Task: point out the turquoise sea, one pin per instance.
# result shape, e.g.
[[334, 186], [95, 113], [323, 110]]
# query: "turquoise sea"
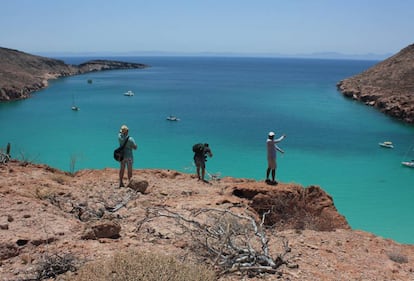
[[231, 103]]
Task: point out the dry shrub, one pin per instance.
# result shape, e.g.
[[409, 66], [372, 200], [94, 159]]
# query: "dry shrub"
[[397, 257], [60, 179], [228, 241], [45, 193], [53, 265], [142, 266]]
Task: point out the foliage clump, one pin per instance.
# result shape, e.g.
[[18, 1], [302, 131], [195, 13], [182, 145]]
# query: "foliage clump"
[[142, 266]]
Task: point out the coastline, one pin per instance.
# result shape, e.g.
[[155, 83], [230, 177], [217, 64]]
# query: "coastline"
[[21, 74], [350, 177], [387, 86]]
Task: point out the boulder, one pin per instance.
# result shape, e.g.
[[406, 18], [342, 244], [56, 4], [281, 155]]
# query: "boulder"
[[8, 250], [138, 185], [102, 229]]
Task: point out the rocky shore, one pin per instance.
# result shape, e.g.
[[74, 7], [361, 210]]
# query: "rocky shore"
[[387, 86], [48, 212], [21, 74]]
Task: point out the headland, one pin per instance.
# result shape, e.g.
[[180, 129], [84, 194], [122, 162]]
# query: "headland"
[[21, 74], [387, 86]]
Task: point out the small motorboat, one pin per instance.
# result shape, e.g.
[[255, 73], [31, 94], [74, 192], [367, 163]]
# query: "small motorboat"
[[173, 118], [408, 163], [75, 108], [129, 94], [386, 144]]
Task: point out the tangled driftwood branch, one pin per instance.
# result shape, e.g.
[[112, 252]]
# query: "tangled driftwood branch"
[[232, 242]]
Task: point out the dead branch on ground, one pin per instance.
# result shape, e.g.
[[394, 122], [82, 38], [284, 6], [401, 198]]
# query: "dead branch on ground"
[[232, 242]]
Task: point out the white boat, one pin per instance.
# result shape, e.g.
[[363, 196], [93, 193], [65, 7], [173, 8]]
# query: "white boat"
[[129, 94], [74, 107], [386, 144], [173, 118], [408, 163]]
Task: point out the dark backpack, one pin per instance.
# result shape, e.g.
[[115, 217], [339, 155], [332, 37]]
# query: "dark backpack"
[[198, 148], [119, 152]]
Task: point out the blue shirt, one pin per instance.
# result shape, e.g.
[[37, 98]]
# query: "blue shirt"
[[130, 145]]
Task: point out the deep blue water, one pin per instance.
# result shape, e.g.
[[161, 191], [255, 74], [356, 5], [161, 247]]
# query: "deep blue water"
[[231, 103]]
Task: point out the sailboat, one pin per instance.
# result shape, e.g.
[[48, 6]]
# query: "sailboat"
[[409, 164], [74, 107]]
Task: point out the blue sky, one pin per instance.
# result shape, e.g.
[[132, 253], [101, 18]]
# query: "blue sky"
[[218, 26]]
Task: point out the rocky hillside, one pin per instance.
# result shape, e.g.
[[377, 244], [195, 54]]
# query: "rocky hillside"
[[22, 74], [388, 86], [47, 213]]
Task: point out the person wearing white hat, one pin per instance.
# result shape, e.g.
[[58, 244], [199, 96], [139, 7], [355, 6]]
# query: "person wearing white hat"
[[272, 147], [128, 159]]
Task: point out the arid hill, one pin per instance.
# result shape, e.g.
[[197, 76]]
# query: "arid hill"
[[49, 213], [388, 86], [22, 74]]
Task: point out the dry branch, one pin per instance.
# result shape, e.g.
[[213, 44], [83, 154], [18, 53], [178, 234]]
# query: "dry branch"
[[232, 242]]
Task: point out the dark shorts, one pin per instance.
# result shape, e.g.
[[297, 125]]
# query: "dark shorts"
[[199, 162]]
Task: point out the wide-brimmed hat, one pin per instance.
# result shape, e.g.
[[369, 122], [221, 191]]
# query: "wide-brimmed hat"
[[124, 128], [271, 134]]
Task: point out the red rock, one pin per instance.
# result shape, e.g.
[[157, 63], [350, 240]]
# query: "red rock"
[[55, 199], [388, 85]]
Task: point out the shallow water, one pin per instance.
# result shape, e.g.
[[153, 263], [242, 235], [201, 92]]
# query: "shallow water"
[[231, 103]]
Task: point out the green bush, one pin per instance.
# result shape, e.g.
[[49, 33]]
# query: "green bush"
[[141, 266]]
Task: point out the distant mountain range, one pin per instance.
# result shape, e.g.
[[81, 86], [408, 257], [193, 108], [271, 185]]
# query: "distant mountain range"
[[321, 55]]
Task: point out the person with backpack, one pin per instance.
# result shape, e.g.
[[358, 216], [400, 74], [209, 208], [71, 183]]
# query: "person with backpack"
[[128, 158], [201, 151], [271, 144]]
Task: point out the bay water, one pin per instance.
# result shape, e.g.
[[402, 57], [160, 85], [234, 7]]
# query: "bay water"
[[230, 103]]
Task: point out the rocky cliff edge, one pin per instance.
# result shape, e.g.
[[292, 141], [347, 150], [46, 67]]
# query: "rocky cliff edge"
[[47, 211]]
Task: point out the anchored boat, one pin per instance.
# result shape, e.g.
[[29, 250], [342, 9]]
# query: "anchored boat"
[[173, 118], [129, 93], [386, 144], [408, 163]]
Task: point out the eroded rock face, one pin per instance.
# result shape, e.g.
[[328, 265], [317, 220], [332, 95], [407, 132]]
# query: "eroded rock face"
[[22, 74], [388, 86], [293, 206]]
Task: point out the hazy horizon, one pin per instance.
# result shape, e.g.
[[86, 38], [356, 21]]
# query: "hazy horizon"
[[322, 55], [369, 28]]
